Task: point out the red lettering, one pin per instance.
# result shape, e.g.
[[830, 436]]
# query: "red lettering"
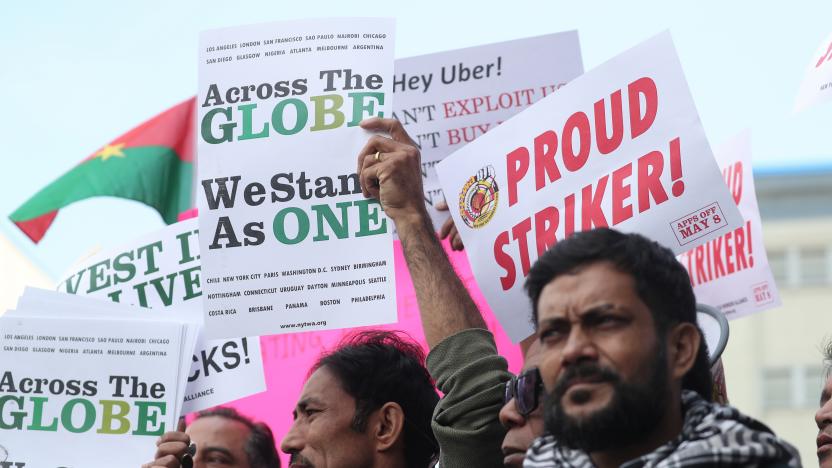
[[504, 260], [572, 161], [591, 213], [545, 225], [739, 248], [641, 122], [700, 265], [729, 253], [569, 207], [517, 164], [545, 148], [620, 193], [607, 144], [649, 180], [520, 233], [719, 266]]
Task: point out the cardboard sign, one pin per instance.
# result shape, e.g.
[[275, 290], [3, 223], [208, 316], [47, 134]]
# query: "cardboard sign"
[[448, 99], [731, 273], [289, 243], [161, 270], [817, 84], [84, 386], [621, 146]]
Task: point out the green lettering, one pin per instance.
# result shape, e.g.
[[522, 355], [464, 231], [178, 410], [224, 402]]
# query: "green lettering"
[[17, 416], [340, 229], [110, 415], [359, 106], [89, 415], [365, 216], [247, 117], [302, 116], [279, 222], [227, 128], [145, 418], [321, 111], [37, 416]]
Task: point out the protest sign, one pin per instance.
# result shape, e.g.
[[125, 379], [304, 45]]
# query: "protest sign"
[[448, 99], [731, 272], [163, 269], [817, 83], [87, 387], [621, 146], [288, 241]]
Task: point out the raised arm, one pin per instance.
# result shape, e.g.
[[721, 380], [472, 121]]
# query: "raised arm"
[[390, 170]]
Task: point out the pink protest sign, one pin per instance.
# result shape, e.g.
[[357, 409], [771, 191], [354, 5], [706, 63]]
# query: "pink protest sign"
[[287, 358]]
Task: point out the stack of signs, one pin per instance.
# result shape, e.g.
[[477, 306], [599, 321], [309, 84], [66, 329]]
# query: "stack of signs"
[[162, 270], [288, 241], [731, 272], [87, 382], [620, 146], [817, 83], [448, 99]]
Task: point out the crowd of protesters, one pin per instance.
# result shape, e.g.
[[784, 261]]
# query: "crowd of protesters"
[[617, 373]]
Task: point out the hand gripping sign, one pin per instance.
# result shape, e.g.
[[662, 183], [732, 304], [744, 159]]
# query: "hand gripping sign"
[[621, 146]]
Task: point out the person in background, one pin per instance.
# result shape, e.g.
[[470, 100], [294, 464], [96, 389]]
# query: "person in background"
[[625, 366], [217, 438], [823, 417], [367, 404]]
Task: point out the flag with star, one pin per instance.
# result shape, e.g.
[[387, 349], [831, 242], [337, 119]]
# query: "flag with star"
[[152, 163]]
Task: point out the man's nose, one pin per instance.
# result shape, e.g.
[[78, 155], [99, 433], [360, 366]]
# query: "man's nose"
[[510, 417]]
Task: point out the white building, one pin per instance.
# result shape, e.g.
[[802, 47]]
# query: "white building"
[[773, 361]]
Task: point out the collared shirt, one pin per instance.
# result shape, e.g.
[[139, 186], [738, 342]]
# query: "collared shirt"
[[712, 435]]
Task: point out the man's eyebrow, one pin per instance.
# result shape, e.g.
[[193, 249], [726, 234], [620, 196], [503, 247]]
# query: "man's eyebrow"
[[211, 449], [304, 402]]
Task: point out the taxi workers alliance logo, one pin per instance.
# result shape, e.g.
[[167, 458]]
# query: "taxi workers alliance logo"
[[478, 198]]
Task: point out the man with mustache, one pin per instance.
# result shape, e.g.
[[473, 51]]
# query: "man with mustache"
[[367, 404], [823, 417], [624, 364]]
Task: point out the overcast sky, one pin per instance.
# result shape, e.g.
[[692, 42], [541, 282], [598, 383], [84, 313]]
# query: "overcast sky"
[[75, 75]]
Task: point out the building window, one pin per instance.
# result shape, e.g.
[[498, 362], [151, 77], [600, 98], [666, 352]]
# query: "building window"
[[792, 387], [777, 388], [779, 266], [813, 266]]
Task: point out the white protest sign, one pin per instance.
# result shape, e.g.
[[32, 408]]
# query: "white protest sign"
[[620, 146], [817, 83], [447, 99], [289, 243], [731, 272], [163, 269], [86, 392]]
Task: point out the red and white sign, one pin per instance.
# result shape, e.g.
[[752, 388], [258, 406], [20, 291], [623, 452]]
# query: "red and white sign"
[[621, 146], [731, 272], [817, 84]]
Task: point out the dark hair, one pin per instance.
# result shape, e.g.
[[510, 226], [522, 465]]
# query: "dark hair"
[[260, 448], [661, 282], [376, 367]]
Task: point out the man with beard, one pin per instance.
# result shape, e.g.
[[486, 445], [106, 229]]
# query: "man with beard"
[[624, 364], [823, 417]]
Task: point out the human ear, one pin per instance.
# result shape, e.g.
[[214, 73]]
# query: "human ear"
[[683, 344], [388, 425]]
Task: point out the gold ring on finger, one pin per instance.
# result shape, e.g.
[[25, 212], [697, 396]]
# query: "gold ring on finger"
[[377, 156]]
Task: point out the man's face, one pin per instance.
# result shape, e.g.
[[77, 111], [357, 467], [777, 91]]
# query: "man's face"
[[220, 442], [521, 431], [322, 436], [823, 418], [603, 366]]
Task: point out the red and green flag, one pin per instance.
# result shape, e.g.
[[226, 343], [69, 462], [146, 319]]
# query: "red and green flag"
[[152, 163]]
